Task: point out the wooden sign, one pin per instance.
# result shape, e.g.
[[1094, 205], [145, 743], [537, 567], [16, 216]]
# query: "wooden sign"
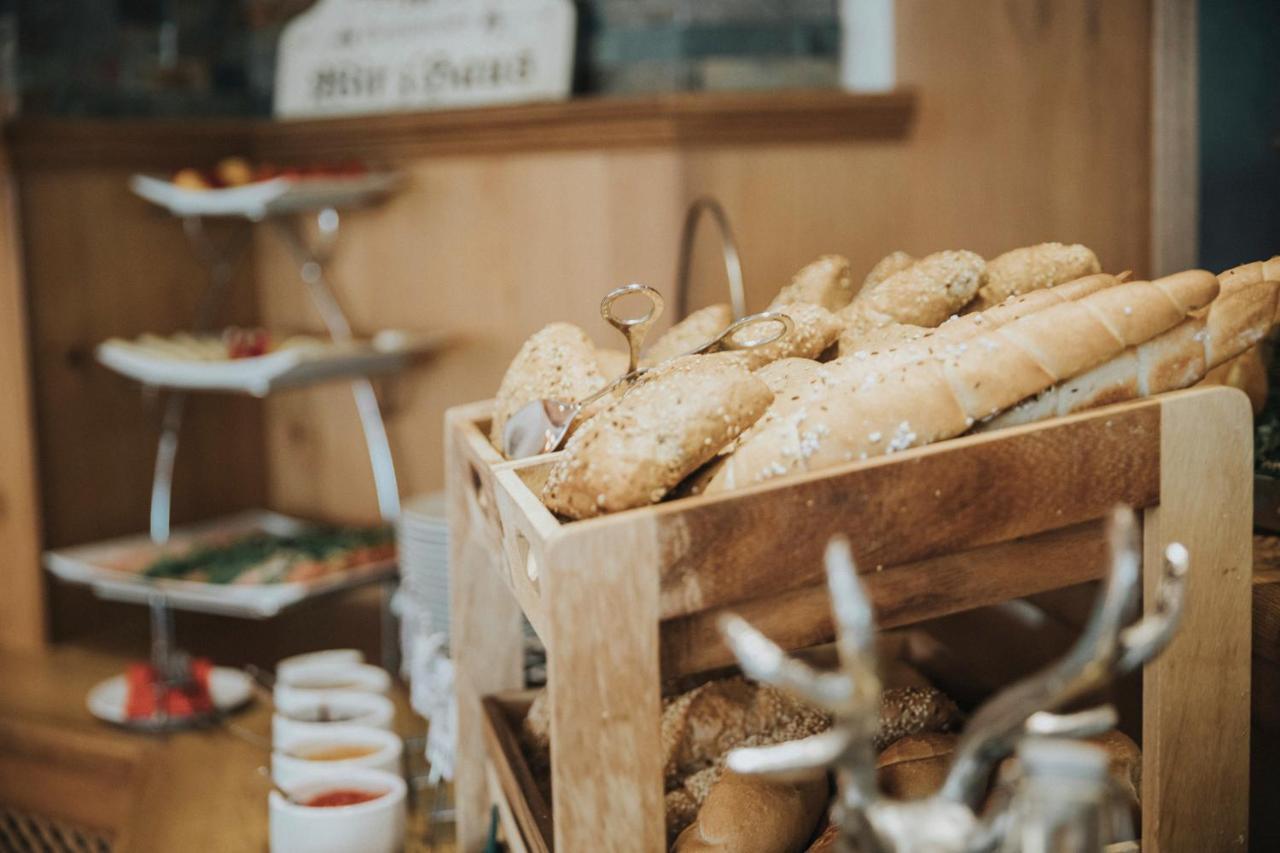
[[348, 57]]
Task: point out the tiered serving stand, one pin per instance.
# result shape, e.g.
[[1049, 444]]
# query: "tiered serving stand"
[[281, 204], [626, 601]]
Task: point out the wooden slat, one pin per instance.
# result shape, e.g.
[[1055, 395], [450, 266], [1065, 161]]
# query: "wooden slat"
[[486, 639], [973, 491], [1175, 136], [511, 830], [1195, 727], [902, 594], [517, 787], [688, 118], [601, 598]]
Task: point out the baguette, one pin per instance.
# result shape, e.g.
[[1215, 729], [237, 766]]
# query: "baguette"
[[924, 294], [1033, 268], [1241, 315], [944, 393], [894, 262], [688, 334], [557, 362], [750, 814], [644, 443], [826, 282]]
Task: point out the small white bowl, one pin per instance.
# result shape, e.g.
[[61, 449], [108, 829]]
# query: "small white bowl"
[[299, 715], [324, 678], [290, 764], [327, 657], [377, 826]]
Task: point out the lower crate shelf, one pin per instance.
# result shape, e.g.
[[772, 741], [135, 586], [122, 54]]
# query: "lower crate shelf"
[[524, 811]]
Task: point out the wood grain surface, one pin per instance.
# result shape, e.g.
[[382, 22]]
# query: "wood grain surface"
[[532, 814], [22, 606], [486, 641], [1196, 694]]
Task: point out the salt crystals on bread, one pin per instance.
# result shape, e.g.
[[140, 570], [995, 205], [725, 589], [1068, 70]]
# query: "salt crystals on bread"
[[827, 282]]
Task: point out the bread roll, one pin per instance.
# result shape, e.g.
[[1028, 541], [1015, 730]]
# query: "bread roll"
[[558, 362], [912, 710], [924, 294], [915, 766], [826, 282], [786, 378], [690, 333], [942, 395], [894, 262], [1241, 315], [814, 329], [640, 446], [701, 726], [1034, 268], [750, 814]]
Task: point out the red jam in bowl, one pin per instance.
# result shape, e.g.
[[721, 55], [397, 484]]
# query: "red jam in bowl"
[[342, 797]]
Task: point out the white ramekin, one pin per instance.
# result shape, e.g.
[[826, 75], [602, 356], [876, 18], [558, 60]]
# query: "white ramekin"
[[327, 657], [331, 678], [377, 826], [361, 709], [287, 768]]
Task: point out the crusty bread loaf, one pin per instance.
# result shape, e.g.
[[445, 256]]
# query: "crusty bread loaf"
[[787, 376], [690, 333], [558, 362], [913, 710], [1241, 315], [814, 329], [862, 339], [672, 421], [942, 395], [924, 294], [699, 727], [750, 814], [894, 262], [826, 282], [915, 766], [1034, 268]]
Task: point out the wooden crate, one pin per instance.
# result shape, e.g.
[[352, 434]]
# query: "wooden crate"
[[624, 601]]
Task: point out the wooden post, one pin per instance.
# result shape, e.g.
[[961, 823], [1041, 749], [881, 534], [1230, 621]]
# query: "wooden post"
[[486, 641], [22, 608], [601, 596], [1195, 703]]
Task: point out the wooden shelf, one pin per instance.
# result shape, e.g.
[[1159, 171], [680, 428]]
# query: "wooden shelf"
[[673, 120], [626, 601]]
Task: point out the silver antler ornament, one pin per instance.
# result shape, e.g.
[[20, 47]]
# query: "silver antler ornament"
[[948, 821]]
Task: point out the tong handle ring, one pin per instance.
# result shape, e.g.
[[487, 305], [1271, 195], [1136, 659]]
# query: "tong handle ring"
[[633, 328], [729, 339]]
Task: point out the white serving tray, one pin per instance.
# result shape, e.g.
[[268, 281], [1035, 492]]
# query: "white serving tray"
[[89, 565], [261, 375], [267, 198]]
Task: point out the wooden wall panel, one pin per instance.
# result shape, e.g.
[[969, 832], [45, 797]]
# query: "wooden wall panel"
[[489, 248]]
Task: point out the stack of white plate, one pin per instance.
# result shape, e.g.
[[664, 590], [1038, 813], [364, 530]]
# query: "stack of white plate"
[[423, 542]]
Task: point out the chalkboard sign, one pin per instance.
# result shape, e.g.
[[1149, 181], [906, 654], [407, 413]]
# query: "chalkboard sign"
[[349, 57]]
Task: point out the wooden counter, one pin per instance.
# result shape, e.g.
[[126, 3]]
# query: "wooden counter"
[[189, 791]]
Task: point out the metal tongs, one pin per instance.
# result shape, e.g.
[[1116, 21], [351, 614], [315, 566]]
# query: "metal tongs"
[[542, 425]]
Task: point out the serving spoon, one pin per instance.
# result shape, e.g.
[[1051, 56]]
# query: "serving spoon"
[[541, 426]]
